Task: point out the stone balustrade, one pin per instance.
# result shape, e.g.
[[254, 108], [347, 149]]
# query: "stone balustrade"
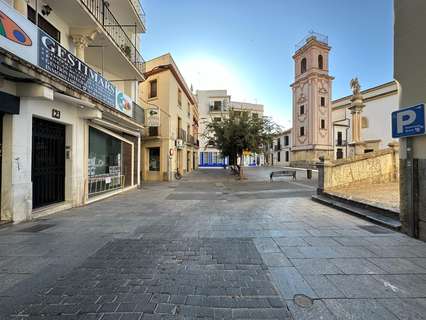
[[381, 166]]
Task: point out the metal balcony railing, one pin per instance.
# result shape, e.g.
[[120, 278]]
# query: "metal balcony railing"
[[277, 147], [182, 135], [341, 143], [136, 4], [215, 108], [100, 11], [192, 140]]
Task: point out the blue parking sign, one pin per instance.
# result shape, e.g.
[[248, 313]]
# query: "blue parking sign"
[[409, 122]]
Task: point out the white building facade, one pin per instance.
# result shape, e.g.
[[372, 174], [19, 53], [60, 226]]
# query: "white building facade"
[[70, 122], [282, 149], [376, 132], [215, 105]]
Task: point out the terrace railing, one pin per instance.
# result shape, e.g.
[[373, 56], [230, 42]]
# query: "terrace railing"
[[136, 4], [101, 12]]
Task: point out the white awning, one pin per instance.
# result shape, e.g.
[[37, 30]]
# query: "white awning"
[[72, 100]]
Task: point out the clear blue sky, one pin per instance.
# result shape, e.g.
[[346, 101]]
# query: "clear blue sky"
[[246, 46]]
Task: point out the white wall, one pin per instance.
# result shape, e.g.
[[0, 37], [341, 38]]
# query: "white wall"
[[18, 141], [378, 112], [204, 97], [379, 102], [282, 161]]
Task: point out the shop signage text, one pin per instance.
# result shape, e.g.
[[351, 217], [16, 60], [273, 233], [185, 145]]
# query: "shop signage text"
[[22, 38], [58, 61], [152, 117]]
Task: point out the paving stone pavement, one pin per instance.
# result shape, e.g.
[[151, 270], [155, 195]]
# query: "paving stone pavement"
[[210, 247]]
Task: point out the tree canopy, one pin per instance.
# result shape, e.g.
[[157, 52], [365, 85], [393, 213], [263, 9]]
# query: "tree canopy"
[[237, 132]]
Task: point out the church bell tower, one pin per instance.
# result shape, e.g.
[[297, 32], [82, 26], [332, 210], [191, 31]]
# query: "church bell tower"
[[312, 122]]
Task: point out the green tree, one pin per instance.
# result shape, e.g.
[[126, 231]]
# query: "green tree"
[[237, 132]]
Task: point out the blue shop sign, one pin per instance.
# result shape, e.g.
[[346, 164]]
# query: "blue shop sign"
[[58, 61]]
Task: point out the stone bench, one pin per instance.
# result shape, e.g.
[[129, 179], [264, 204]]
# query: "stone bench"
[[284, 173]]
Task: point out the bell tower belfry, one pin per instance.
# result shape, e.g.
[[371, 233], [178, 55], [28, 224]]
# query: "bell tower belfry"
[[312, 122]]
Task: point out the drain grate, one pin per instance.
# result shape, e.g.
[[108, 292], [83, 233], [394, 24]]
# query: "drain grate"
[[375, 229], [37, 228], [303, 301]]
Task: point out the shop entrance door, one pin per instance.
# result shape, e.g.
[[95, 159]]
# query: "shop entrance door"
[[48, 163], [193, 160]]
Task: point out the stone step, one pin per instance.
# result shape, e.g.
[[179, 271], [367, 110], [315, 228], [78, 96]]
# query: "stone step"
[[377, 215]]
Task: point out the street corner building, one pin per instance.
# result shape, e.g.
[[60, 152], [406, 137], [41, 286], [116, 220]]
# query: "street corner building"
[[278, 153], [70, 124], [216, 105], [170, 143]]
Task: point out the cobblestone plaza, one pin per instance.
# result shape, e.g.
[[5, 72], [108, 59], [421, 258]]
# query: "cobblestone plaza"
[[210, 247]]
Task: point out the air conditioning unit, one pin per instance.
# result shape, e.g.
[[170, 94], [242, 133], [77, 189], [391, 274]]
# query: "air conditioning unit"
[[179, 144]]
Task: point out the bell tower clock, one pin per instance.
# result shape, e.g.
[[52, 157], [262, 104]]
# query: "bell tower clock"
[[312, 122]]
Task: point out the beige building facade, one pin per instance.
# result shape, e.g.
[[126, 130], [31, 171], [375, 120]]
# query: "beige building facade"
[[312, 88], [69, 118], [173, 146]]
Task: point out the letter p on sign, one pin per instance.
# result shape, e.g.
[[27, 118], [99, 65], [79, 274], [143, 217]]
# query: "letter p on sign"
[[404, 119], [409, 122]]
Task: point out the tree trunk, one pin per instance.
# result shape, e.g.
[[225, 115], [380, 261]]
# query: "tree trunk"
[[240, 167], [242, 177]]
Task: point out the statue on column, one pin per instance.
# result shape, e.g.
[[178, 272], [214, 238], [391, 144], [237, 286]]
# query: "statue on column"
[[357, 104], [355, 86]]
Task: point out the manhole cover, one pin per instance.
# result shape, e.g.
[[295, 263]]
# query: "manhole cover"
[[37, 228], [303, 301], [375, 229]]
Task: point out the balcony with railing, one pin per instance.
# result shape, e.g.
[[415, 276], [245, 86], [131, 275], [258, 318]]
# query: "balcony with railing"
[[192, 140], [218, 106], [100, 11], [137, 6], [341, 143], [182, 135]]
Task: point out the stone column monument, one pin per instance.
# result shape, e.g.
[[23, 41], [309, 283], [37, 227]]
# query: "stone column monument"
[[357, 146]]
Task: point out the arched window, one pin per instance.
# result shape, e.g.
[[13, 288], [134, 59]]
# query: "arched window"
[[320, 62], [303, 65]]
